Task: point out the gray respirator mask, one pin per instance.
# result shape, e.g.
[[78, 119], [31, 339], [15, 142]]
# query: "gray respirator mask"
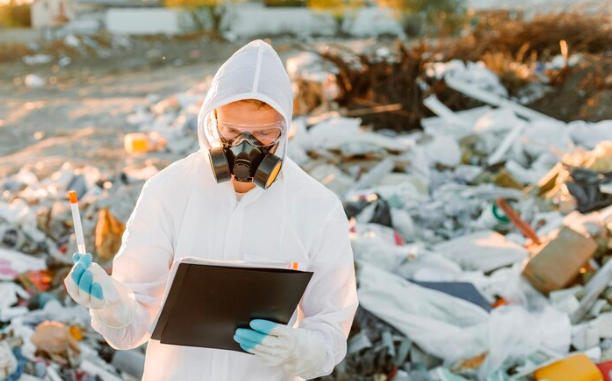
[[246, 153]]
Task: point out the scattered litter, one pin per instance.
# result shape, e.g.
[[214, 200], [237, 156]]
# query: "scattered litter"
[[557, 262], [439, 323], [138, 143], [574, 368], [54, 342], [49, 336], [34, 81], [461, 290], [13, 263], [37, 59], [468, 235]]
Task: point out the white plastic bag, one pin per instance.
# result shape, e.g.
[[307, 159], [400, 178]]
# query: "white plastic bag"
[[483, 250], [440, 324], [514, 333]]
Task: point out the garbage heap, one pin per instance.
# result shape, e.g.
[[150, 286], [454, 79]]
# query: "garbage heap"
[[44, 334], [481, 233]]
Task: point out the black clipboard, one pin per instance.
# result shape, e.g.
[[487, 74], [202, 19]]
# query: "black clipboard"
[[207, 303]]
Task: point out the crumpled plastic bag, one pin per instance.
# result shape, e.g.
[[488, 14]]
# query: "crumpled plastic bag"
[[9, 293], [427, 266], [440, 324], [109, 232], [53, 340], [589, 135], [378, 244], [546, 136], [585, 188], [373, 209], [514, 333], [484, 250], [443, 150], [336, 132], [13, 263], [453, 329], [475, 73]]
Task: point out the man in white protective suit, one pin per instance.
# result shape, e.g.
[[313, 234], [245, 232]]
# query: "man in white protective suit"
[[238, 198]]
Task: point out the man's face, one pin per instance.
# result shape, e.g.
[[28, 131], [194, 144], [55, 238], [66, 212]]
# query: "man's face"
[[246, 113]]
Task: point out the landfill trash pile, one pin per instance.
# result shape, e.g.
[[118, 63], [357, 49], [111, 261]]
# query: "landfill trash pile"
[[44, 334], [381, 86], [559, 65], [63, 51], [79, 59], [568, 53], [481, 241], [429, 220], [481, 229], [168, 125]]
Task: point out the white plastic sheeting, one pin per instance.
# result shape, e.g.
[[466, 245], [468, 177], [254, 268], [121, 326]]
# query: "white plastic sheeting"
[[453, 329]]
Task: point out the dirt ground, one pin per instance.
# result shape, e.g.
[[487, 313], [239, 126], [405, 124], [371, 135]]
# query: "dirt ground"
[[584, 94], [82, 116]]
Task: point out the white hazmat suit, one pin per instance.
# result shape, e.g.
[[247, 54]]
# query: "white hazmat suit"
[[183, 212]]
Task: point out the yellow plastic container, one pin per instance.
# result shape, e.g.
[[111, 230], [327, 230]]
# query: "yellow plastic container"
[[136, 143], [574, 368], [139, 142]]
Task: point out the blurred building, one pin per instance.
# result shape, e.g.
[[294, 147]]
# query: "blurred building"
[[530, 8], [82, 14]]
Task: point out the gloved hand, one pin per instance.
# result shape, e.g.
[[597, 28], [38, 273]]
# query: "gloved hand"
[[300, 352], [89, 285]]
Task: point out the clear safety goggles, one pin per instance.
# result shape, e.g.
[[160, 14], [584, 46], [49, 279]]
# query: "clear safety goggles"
[[264, 134]]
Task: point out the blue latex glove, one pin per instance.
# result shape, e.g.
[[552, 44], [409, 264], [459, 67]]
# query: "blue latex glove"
[[81, 285], [89, 285], [300, 352], [84, 277]]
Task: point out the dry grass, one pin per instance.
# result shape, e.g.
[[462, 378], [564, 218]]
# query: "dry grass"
[[10, 52], [366, 83], [538, 38], [513, 73]]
